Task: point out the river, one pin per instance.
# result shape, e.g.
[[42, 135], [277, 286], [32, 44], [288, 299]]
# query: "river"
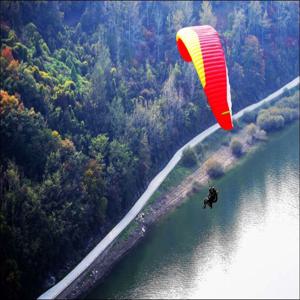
[[247, 246]]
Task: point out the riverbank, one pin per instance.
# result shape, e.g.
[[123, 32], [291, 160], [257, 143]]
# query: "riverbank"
[[72, 282], [152, 213], [155, 209], [188, 251]]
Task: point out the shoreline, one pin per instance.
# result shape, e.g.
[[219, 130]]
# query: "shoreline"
[[154, 212], [114, 246]]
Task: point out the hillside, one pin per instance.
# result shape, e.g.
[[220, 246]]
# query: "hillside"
[[95, 99]]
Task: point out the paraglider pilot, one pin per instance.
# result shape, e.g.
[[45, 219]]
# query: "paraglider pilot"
[[211, 198]]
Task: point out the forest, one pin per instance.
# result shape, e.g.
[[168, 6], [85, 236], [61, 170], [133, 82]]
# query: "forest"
[[95, 99]]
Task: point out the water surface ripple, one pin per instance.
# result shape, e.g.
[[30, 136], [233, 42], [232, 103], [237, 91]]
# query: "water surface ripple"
[[246, 247]]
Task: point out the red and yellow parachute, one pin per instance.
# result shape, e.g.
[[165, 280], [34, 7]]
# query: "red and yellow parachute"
[[201, 44]]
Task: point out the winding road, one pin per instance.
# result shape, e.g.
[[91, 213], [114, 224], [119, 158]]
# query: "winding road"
[[57, 289]]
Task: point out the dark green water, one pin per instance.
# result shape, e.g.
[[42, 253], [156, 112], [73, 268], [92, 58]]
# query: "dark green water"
[[246, 247]]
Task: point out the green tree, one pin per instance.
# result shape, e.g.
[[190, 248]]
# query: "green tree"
[[254, 16], [236, 147], [206, 15], [268, 122], [189, 158], [214, 168], [99, 147]]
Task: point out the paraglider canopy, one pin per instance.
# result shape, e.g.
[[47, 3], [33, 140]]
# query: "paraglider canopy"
[[202, 46]]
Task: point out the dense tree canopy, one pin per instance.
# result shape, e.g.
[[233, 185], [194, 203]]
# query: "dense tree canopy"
[[95, 99]]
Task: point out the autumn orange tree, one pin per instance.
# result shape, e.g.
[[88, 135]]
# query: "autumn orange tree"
[[95, 100]]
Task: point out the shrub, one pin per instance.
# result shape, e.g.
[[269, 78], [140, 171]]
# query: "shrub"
[[249, 116], [236, 147], [270, 122], [288, 107], [261, 135], [200, 150], [214, 168], [251, 129], [189, 158], [289, 114], [290, 102]]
